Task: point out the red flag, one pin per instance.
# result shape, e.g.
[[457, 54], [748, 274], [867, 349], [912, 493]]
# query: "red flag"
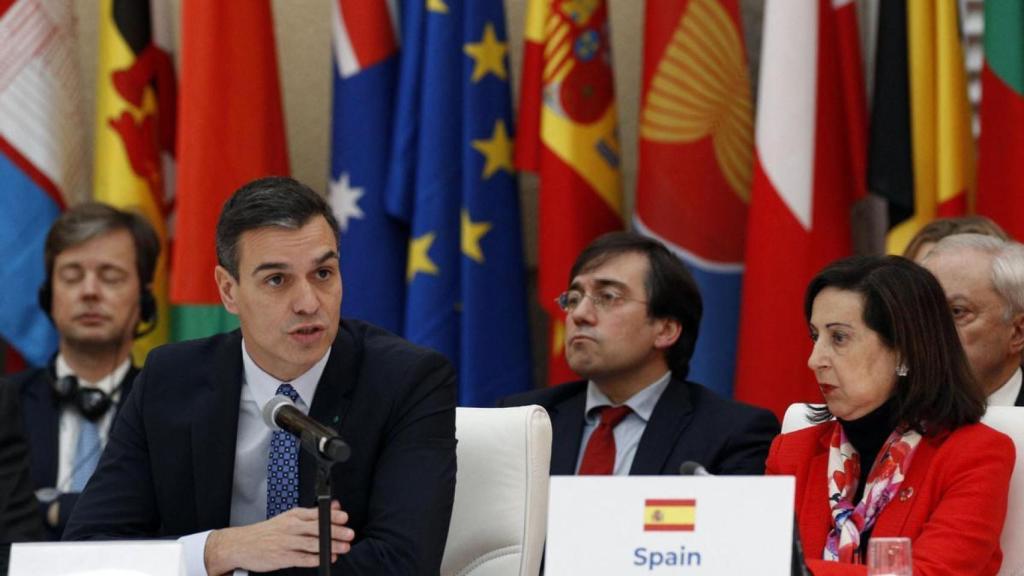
[[805, 181], [696, 154], [230, 131], [570, 139], [1001, 145]]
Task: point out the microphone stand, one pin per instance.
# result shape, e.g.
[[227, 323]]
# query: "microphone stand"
[[323, 499], [323, 504]]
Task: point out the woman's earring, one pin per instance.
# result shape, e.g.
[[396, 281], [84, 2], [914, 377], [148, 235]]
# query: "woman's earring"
[[902, 370]]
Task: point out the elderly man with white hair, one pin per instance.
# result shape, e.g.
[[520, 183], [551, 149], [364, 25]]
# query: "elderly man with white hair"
[[983, 278]]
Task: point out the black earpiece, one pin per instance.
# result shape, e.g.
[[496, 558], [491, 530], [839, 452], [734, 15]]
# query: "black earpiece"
[[91, 403], [46, 297]]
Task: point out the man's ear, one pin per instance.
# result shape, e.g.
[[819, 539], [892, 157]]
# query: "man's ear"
[[1017, 336], [227, 286], [669, 332]]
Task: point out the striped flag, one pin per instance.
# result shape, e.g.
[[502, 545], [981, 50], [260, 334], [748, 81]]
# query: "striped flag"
[[804, 185], [568, 135], [43, 163], [1001, 146], [135, 102], [696, 154], [230, 116], [925, 163], [675, 515], [373, 244]]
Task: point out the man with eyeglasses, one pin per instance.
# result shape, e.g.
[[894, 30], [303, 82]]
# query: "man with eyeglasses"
[[632, 317]]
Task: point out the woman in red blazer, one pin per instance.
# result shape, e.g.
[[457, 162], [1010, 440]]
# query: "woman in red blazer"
[[898, 450]]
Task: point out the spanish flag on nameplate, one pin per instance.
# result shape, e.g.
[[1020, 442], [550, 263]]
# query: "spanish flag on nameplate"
[[670, 515]]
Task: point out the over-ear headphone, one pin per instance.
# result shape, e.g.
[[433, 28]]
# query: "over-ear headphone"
[[91, 403], [147, 305]]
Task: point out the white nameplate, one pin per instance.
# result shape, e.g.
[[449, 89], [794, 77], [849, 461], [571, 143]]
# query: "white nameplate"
[[136, 558], [711, 525]]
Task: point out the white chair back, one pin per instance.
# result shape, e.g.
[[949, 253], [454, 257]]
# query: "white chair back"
[[1010, 421], [499, 521], [797, 417]]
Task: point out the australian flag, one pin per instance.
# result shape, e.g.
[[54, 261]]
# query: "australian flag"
[[373, 244], [452, 180]]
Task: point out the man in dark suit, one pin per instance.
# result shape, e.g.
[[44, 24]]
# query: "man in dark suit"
[[632, 314], [19, 520], [100, 262], [191, 457], [983, 278]]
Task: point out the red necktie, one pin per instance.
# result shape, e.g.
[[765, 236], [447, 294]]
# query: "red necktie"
[[599, 457]]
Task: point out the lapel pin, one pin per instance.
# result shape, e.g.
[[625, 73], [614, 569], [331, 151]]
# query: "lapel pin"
[[906, 494]]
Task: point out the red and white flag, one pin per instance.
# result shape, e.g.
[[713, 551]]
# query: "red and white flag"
[[806, 177]]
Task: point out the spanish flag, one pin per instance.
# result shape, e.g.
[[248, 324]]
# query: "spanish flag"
[[670, 515], [568, 135]]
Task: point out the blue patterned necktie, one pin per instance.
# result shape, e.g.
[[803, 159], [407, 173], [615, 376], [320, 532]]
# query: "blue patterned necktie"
[[87, 454], [283, 466]]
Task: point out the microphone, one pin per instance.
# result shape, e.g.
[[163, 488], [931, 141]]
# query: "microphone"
[[319, 440], [691, 468]]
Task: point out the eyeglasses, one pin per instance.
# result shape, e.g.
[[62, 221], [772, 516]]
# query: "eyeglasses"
[[603, 301]]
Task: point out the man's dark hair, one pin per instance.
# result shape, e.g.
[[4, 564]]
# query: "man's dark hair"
[[671, 290], [90, 220], [905, 305], [276, 201]]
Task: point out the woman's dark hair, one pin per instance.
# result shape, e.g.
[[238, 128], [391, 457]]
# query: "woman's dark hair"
[[671, 290], [276, 201], [905, 305]]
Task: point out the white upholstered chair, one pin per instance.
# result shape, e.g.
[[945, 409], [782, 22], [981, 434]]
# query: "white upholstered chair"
[[1010, 421], [499, 521]]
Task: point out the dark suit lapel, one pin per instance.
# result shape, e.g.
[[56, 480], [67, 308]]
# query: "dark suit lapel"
[[672, 414], [125, 389], [331, 401], [214, 433], [1020, 397], [567, 432], [41, 418]]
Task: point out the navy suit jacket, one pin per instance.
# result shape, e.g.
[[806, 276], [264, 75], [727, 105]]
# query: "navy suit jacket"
[[689, 423], [168, 468], [42, 423], [18, 518]]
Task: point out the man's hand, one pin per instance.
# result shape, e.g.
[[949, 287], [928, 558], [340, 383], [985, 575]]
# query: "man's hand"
[[285, 541]]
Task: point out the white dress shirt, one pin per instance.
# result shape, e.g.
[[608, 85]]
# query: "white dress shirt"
[[71, 419], [1006, 395], [252, 450], [627, 434]]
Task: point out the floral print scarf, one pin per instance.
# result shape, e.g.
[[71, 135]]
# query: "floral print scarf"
[[883, 481]]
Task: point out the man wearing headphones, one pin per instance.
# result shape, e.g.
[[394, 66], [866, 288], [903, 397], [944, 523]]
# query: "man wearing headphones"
[[100, 263]]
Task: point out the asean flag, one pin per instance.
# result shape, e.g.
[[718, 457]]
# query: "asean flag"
[[695, 154], [805, 181]]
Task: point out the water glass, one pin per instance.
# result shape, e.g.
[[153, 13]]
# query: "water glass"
[[889, 557]]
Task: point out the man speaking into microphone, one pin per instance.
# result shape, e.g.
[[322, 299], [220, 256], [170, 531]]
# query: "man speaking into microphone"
[[191, 456]]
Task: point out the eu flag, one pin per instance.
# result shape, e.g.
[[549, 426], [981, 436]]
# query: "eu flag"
[[365, 49], [452, 181]]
